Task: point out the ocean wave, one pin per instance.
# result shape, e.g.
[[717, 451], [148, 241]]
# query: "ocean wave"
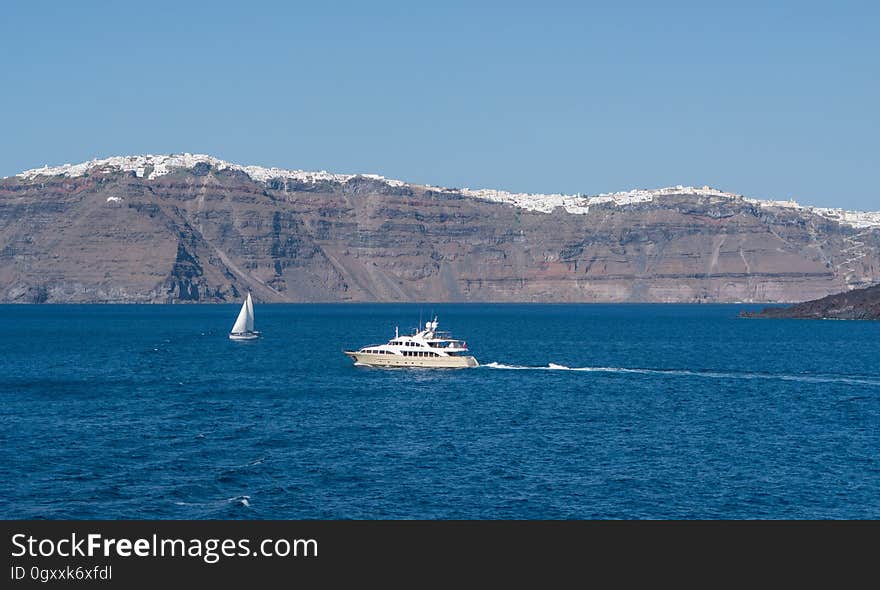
[[690, 373], [241, 500]]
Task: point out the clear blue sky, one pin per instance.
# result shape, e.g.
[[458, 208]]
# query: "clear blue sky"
[[767, 99]]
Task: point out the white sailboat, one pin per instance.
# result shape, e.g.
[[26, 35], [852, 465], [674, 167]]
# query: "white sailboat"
[[243, 329]]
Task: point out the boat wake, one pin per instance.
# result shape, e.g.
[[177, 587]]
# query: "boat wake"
[[241, 501], [687, 373]]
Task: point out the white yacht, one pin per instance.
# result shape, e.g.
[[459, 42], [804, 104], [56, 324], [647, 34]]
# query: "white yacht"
[[244, 323], [425, 348]]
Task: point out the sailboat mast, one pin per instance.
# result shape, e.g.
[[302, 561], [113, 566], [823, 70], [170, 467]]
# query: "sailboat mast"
[[250, 313]]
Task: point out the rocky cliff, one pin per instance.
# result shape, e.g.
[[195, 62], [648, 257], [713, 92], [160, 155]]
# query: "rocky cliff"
[[194, 228]]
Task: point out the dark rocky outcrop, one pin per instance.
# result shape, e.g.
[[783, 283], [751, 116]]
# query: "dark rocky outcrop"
[[859, 304]]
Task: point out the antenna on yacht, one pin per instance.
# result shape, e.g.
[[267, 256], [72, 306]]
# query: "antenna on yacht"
[[396, 333]]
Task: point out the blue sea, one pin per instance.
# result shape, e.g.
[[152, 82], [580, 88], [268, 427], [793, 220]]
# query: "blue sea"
[[576, 412]]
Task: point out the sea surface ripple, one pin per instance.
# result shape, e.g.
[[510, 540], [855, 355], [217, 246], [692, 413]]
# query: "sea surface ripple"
[[576, 412]]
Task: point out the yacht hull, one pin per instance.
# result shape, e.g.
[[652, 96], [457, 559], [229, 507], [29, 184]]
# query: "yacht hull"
[[393, 360]]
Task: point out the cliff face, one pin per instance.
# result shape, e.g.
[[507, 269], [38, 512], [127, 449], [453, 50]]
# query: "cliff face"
[[209, 233], [860, 304]]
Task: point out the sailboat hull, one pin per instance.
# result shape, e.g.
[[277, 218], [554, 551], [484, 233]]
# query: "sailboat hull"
[[244, 335]]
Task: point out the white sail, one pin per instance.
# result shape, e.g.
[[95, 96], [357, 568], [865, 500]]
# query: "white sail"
[[241, 322], [250, 313]]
